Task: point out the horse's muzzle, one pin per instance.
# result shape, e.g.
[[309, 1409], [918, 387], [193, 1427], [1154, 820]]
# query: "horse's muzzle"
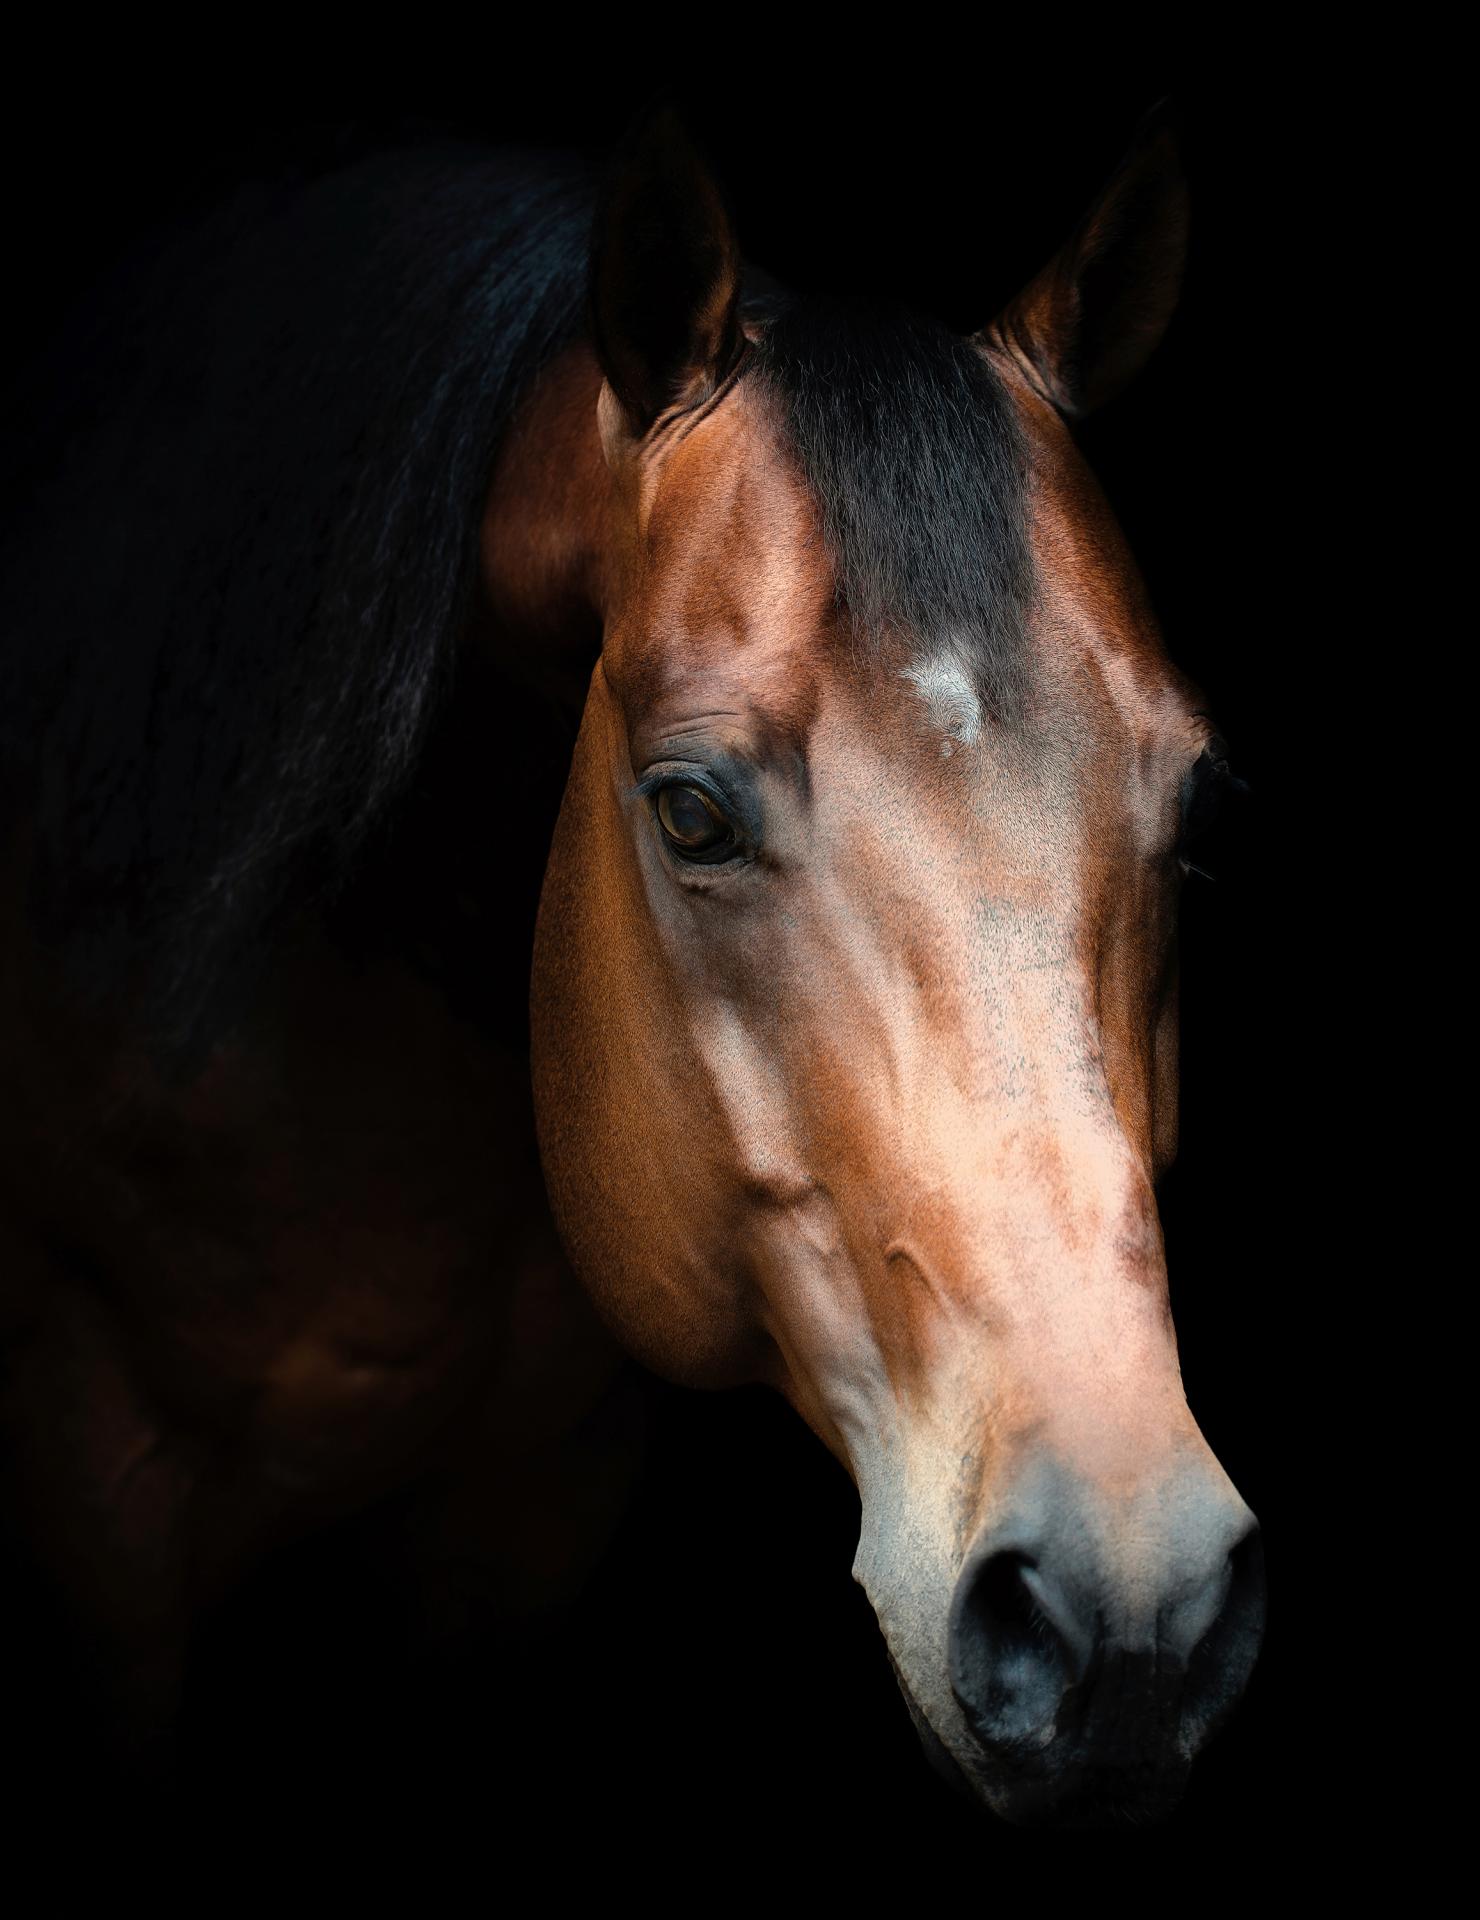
[[1088, 1668]]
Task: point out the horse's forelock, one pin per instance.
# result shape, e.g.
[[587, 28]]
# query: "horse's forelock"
[[909, 442]]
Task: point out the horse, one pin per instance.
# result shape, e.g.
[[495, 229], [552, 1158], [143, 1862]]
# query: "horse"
[[566, 804]]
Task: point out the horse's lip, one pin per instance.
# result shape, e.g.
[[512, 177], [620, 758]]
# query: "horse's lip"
[[1078, 1794], [941, 1759], [1095, 1796]]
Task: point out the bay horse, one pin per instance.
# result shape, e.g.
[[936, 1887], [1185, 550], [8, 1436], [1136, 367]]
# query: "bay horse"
[[567, 802]]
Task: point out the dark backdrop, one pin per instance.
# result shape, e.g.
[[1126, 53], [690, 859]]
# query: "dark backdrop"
[[722, 1690]]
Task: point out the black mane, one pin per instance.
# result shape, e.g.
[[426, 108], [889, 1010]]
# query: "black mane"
[[243, 507], [911, 447]]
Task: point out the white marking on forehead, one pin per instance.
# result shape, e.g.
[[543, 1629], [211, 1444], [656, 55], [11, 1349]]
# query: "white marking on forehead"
[[950, 699]]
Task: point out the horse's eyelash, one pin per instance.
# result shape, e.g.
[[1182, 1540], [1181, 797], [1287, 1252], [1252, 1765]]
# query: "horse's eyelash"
[[659, 777]]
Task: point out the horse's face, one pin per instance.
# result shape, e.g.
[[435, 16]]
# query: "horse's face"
[[855, 1064]]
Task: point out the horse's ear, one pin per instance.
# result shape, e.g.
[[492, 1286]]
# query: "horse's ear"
[[1090, 320], [665, 276]]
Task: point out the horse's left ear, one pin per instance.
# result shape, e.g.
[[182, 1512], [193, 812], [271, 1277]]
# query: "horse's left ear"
[[665, 276], [1090, 320]]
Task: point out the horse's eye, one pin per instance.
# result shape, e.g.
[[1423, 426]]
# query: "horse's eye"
[[694, 825]]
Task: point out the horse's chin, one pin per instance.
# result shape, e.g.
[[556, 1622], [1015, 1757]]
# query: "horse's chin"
[[1086, 1797]]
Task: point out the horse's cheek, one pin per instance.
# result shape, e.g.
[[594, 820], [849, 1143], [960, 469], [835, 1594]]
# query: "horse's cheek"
[[634, 1235], [569, 1064]]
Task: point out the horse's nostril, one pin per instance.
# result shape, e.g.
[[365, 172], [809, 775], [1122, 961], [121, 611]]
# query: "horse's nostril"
[[1015, 1651], [1219, 1665]]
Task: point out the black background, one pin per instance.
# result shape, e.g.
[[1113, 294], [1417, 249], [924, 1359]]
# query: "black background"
[[721, 1693]]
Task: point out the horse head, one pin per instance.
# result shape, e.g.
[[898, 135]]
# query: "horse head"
[[854, 992]]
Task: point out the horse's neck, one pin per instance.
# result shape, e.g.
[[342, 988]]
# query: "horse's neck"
[[454, 889], [544, 536]]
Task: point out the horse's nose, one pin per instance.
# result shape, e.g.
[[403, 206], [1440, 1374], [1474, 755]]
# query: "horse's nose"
[[1051, 1626]]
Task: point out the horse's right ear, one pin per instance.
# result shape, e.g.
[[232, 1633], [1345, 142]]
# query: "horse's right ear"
[[1091, 318], [665, 276]]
